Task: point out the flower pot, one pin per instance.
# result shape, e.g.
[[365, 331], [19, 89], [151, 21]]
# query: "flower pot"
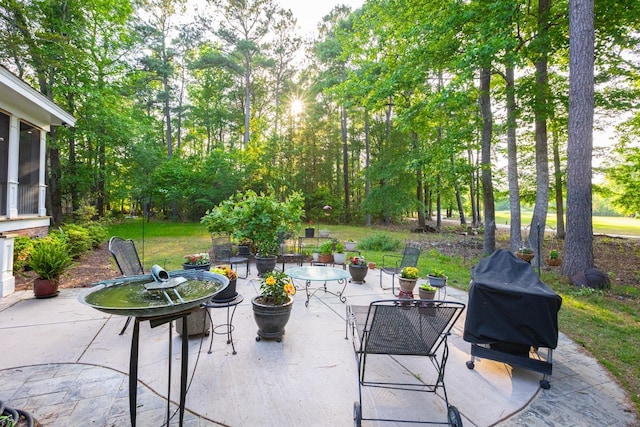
[[437, 282], [358, 273], [205, 267], [350, 246], [265, 264], [198, 323], [407, 285], [309, 232], [243, 250], [227, 293], [429, 295], [324, 233], [553, 262], [372, 265], [340, 258], [315, 256], [45, 288], [325, 259], [524, 256], [271, 319]]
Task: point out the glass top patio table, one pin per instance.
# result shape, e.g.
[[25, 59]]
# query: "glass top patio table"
[[320, 274]]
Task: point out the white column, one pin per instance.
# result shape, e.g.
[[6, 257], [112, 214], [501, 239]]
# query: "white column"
[[42, 188], [14, 164], [7, 281]]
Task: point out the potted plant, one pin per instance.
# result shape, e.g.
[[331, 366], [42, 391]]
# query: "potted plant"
[[49, 259], [437, 278], [426, 291], [200, 261], [260, 218], [408, 279], [272, 308], [229, 292], [554, 258], [357, 269], [326, 252], [371, 265], [525, 253], [339, 257], [324, 232], [350, 245], [310, 231]]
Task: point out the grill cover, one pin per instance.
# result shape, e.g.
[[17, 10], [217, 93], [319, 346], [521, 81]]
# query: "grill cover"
[[508, 303]]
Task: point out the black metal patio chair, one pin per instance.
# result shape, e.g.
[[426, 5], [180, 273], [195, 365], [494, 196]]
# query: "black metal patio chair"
[[400, 328], [222, 253], [409, 258], [126, 257]]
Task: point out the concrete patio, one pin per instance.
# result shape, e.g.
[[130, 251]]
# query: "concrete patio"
[[65, 363]]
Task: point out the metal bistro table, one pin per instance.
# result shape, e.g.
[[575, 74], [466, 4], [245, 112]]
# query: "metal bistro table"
[[320, 274]]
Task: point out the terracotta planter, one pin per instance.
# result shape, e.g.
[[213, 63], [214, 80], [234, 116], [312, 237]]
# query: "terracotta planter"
[[325, 259], [45, 288], [372, 265], [271, 319], [358, 273]]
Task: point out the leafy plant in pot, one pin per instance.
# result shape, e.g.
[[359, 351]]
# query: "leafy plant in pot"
[[326, 252], [426, 291], [437, 278], [49, 259], [272, 308], [554, 258], [260, 218], [339, 257]]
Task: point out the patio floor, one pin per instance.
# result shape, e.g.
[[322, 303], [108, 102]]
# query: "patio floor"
[[65, 363]]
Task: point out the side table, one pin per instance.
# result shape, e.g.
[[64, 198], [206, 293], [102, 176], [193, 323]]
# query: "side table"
[[228, 327]]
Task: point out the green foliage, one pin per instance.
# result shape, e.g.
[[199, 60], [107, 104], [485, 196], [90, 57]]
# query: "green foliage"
[[379, 242], [78, 239], [339, 248], [326, 248], [97, 234], [260, 218], [50, 257], [436, 272], [22, 246], [627, 176]]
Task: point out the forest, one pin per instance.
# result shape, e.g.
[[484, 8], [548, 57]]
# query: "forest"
[[401, 107]]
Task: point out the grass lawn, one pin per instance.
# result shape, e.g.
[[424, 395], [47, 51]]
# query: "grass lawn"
[[606, 323], [617, 225]]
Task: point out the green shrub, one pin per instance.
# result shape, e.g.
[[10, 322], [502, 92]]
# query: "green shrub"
[[98, 234], [380, 242], [77, 238], [22, 246]]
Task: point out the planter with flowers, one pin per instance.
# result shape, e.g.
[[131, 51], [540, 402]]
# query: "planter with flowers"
[[260, 218], [525, 254], [272, 308], [357, 269], [229, 292], [200, 261], [437, 278], [407, 280]]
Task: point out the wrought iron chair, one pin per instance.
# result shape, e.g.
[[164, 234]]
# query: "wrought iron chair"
[[222, 253], [126, 257], [401, 327], [409, 258], [291, 249]]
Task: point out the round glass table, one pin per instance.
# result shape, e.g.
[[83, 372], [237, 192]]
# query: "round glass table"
[[320, 274]]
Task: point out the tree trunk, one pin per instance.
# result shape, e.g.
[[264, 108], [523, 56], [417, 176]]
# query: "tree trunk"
[[463, 221], [419, 185], [515, 228], [557, 172], [539, 218], [472, 191], [367, 181], [489, 241], [247, 100], [345, 164], [578, 248]]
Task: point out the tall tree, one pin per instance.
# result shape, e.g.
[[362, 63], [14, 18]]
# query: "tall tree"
[[578, 254]]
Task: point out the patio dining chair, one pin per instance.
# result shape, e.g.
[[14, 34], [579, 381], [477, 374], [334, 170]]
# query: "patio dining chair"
[[392, 264], [222, 253], [126, 257]]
